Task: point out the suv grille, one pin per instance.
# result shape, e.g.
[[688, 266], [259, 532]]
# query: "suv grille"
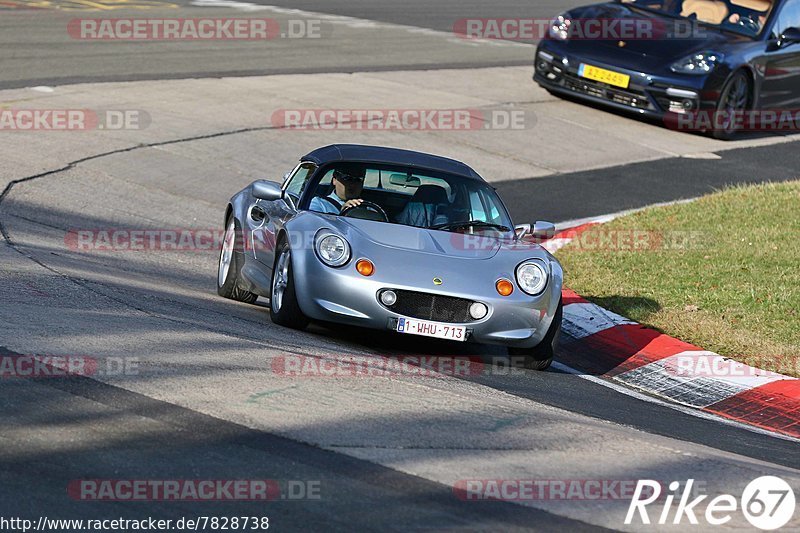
[[434, 307]]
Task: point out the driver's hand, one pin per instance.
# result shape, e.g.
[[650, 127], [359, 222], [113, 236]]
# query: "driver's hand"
[[734, 19], [355, 202]]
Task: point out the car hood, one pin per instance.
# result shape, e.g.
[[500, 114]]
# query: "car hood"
[[673, 38], [410, 239], [368, 237]]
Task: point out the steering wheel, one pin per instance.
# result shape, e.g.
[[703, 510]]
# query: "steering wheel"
[[367, 206], [747, 23]]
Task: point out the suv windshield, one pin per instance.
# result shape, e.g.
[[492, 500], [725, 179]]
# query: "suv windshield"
[[747, 17], [410, 197]]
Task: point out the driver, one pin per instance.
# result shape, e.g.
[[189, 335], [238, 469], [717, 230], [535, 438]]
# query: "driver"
[[348, 182]]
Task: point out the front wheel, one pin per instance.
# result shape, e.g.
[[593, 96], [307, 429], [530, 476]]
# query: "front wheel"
[[540, 357], [230, 265], [734, 100], [283, 307]]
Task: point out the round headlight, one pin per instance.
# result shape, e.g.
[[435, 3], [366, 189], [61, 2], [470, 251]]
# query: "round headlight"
[[532, 277], [332, 249]]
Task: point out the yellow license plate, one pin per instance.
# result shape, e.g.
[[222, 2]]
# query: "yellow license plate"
[[606, 76]]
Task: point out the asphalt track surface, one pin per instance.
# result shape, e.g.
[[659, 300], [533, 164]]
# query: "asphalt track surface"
[[202, 406], [434, 15]]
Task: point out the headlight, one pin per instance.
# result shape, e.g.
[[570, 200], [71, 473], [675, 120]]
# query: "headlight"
[[332, 249], [532, 277], [559, 28], [698, 63]]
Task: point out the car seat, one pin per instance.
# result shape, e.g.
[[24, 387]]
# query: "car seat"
[[711, 11], [428, 207]]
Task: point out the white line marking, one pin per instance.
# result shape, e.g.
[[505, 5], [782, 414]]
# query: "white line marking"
[[585, 319], [702, 155], [674, 406], [602, 219]]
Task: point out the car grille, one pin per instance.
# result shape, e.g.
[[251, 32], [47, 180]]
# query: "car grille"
[[434, 307], [626, 97]]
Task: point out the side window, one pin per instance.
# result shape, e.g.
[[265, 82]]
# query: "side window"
[[299, 180], [788, 17]]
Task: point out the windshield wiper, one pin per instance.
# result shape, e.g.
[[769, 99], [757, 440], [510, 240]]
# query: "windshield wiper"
[[470, 223]]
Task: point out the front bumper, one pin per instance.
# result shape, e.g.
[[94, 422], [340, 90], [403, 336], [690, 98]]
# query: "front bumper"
[[652, 95], [342, 295]]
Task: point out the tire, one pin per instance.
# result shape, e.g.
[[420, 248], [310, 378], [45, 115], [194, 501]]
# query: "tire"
[[736, 97], [283, 307], [230, 264], [540, 357]]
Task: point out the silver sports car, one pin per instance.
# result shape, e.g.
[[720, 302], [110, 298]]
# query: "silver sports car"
[[395, 240]]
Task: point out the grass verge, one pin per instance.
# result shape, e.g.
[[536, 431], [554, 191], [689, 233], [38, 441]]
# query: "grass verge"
[[722, 272]]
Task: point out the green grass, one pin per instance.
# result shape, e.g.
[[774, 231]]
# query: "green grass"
[[722, 272]]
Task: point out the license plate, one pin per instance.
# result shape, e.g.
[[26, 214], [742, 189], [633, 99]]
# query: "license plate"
[[431, 329], [606, 76]]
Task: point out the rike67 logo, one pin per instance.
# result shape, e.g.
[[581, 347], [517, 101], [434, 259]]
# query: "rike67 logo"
[[768, 503]]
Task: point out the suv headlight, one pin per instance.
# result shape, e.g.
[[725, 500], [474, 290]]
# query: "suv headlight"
[[560, 27], [697, 63], [532, 276], [332, 249]]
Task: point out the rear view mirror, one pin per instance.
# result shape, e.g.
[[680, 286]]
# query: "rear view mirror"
[[267, 190], [404, 180]]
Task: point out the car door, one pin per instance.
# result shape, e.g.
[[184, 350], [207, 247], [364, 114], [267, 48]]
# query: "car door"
[[266, 218], [781, 86]]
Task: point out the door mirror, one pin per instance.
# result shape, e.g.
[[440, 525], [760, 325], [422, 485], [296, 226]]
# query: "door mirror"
[[790, 36], [522, 230], [543, 230], [267, 190]]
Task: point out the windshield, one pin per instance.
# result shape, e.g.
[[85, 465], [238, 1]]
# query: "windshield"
[[747, 17], [410, 197]]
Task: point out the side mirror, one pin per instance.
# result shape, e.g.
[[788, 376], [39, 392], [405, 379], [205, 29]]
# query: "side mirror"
[[522, 230], [790, 36], [267, 190], [543, 230]]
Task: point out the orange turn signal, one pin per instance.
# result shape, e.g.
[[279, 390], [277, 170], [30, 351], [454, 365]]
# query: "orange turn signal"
[[365, 267], [504, 287]]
